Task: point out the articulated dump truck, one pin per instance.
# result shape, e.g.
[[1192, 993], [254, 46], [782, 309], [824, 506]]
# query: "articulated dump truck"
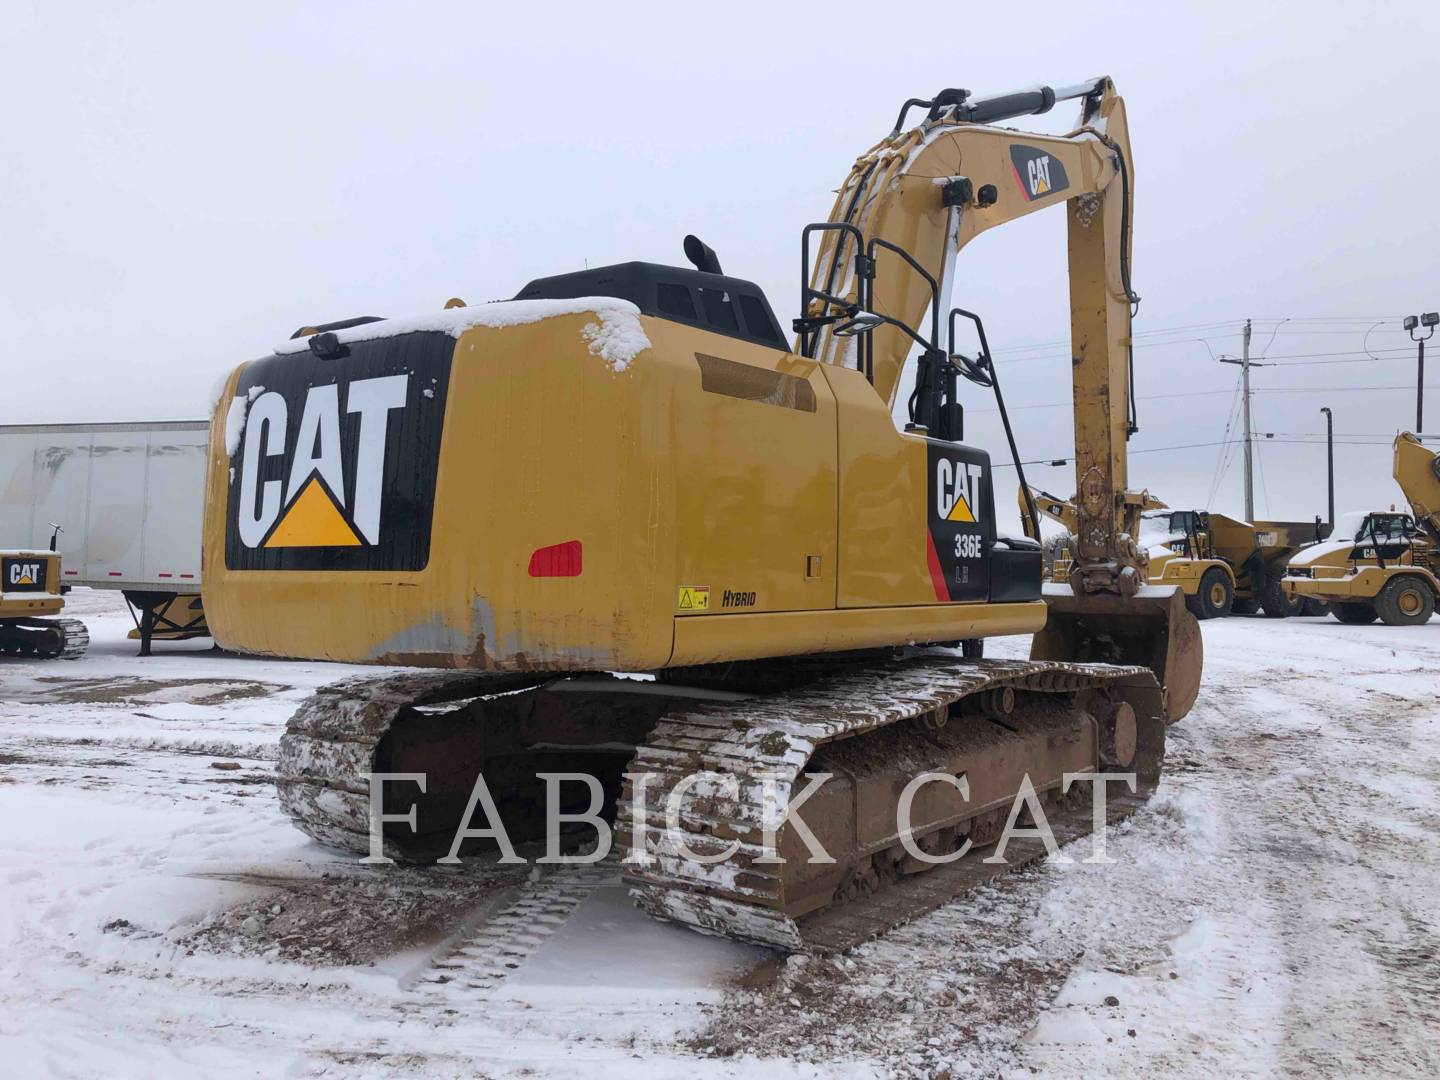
[[1226, 566], [631, 469], [1382, 564]]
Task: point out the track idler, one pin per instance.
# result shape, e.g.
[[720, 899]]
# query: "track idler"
[[1151, 628]]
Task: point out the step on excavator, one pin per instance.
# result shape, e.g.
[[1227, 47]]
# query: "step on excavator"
[[1383, 564], [31, 600], [629, 469]]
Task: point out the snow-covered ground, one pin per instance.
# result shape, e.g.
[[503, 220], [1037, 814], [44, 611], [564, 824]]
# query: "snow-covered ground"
[[1271, 911]]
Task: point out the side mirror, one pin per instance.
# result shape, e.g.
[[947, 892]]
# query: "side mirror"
[[979, 369], [862, 322]]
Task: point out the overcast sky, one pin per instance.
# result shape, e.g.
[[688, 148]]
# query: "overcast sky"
[[181, 186]]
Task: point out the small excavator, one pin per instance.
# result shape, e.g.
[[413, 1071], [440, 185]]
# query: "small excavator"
[[1383, 564], [628, 469], [31, 598]]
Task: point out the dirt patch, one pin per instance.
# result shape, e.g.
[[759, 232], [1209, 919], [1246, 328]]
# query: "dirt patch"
[[953, 991], [350, 916], [145, 691], [9, 758]]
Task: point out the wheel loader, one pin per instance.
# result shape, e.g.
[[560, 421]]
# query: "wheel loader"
[[1222, 565], [630, 469], [30, 599], [1383, 564]]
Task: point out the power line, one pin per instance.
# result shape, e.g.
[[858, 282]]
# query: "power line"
[[1184, 446], [1264, 487], [1213, 393], [1375, 325], [1138, 333], [1330, 389], [1071, 458], [1222, 459], [1055, 354]]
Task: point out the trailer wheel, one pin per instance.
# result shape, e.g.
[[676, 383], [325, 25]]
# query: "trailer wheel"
[[1316, 607], [1215, 595], [1354, 614], [1277, 605], [1405, 601]]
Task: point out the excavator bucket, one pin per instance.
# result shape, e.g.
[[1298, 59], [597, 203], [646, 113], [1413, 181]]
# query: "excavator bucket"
[[1151, 628]]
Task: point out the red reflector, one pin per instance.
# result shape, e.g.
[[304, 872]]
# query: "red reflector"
[[557, 560]]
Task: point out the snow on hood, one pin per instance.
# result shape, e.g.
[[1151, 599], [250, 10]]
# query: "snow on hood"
[[1157, 546], [1316, 552], [617, 338]]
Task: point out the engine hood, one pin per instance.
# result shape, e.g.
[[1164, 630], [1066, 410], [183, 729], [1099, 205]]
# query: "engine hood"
[[1328, 553]]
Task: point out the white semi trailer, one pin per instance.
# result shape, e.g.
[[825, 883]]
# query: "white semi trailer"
[[129, 499]]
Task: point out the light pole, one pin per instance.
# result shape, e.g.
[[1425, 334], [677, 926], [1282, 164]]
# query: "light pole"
[[1428, 320], [1330, 463]]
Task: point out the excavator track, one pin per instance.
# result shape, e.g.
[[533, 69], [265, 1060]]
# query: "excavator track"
[[328, 750], [44, 639], [872, 727], [781, 735]]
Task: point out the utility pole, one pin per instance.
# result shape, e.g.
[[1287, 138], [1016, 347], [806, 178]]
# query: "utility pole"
[[1249, 446], [1330, 462], [1245, 365]]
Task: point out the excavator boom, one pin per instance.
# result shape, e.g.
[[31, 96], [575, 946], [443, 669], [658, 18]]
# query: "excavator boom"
[[1053, 507], [887, 215]]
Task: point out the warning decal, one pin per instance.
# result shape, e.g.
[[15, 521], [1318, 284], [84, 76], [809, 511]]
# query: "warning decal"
[[694, 598]]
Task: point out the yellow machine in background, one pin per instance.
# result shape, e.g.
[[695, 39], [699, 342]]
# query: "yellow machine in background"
[[1227, 566], [30, 598], [1381, 564], [166, 617], [628, 468], [1057, 548], [1222, 565]]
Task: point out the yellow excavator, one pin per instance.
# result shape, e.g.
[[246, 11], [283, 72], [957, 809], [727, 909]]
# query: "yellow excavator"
[[1383, 564], [31, 599], [629, 469]]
